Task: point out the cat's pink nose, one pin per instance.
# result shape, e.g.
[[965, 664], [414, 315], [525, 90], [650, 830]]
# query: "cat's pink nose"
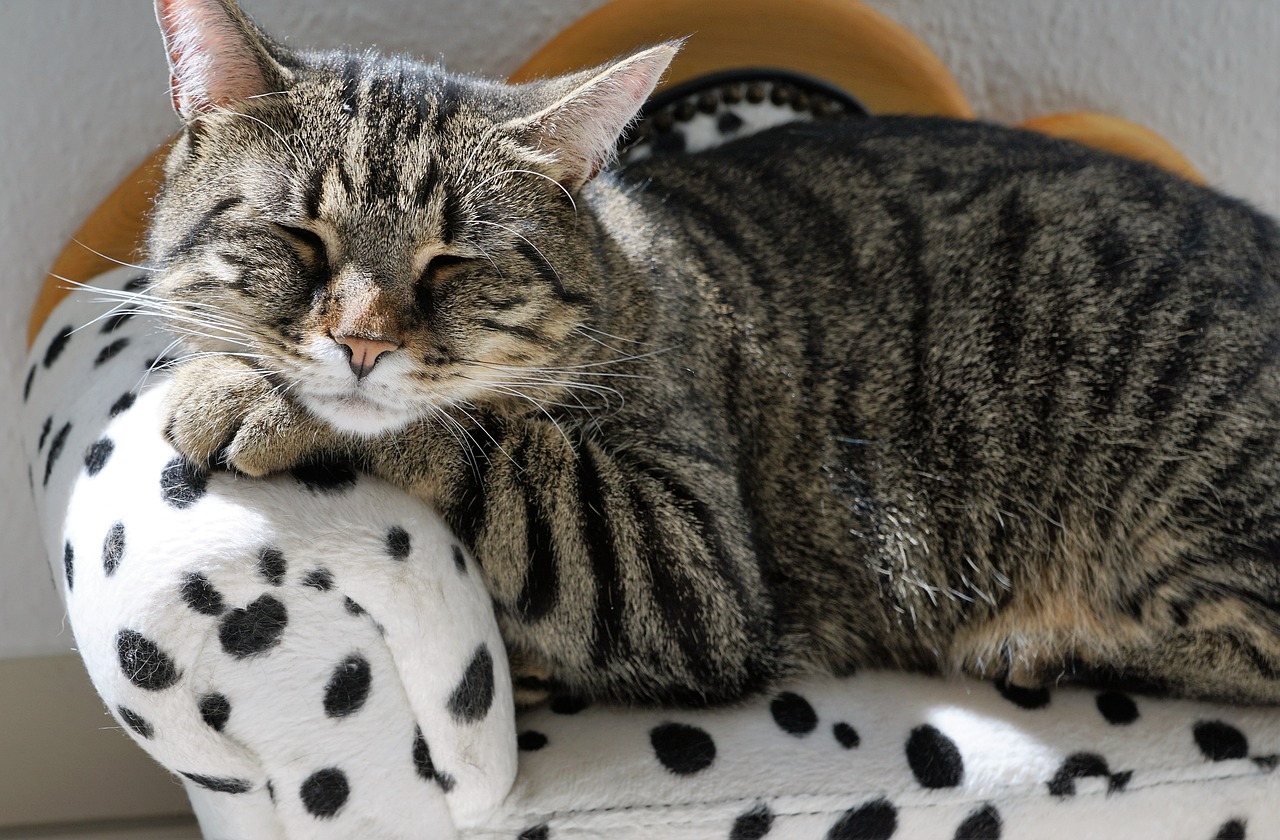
[[364, 352]]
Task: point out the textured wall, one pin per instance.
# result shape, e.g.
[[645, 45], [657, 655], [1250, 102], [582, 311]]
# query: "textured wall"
[[83, 98]]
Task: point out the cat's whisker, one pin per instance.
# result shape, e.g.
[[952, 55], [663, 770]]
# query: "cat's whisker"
[[585, 328], [500, 173], [461, 409], [108, 258], [514, 232]]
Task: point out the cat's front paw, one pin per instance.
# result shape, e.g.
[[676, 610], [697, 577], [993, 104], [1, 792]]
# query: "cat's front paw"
[[222, 412]]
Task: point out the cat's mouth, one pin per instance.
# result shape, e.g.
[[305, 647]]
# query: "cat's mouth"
[[357, 412]]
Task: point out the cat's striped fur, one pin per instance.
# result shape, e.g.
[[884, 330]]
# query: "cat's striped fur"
[[887, 393]]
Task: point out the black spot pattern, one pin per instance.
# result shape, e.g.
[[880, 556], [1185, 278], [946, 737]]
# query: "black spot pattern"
[[934, 758], [182, 483], [55, 450], [253, 629], [325, 792], [135, 722], [26, 386], [220, 785], [109, 352], [1027, 698], [348, 687], [113, 549], [682, 749], [538, 832], [1083, 765], [876, 820], [143, 663], [57, 345], [398, 543], [1231, 830], [793, 714], [271, 565], [123, 404], [201, 596], [753, 824], [846, 735], [352, 607], [728, 122], [982, 824], [96, 458], [325, 475], [321, 579], [426, 768], [472, 698], [531, 741], [1119, 709], [1220, 741], [459, 559], [567, 704], [69, 564], [44, 432], [114, 322], [215, 710]]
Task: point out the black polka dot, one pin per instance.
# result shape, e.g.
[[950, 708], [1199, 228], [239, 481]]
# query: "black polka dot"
[[69, 564], [1231, 830], [934, 758], [183, 483], [1266, 762], [459, 559], [728, 122], [753, 824], [113, 549], [271, 565], [253, 629], [44, 432], [531, 741], [426, 768], [57, 345], [846, 735], [1077, 766], [565, 704], [109, 352], [325, 475], [143, 663], [215, 710], [472, 698], [123, 404], [220, 785], [671, 142], [876, 820], [352, 607], [114, 322], [26, 386], [1119, 709], [682, 749], [321, 579], [201, 596], [793, 713], [325, 792], [135, 722], [1027, 698], [538, 832], [96, 458], [1220, 741], [398, 543], [55, 450], [982, 824], [348, 687]]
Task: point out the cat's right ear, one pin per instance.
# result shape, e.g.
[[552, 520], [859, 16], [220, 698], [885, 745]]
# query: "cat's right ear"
[[216, 55]]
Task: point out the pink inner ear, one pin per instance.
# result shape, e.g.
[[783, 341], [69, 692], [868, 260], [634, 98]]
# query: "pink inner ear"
[[212, 57]]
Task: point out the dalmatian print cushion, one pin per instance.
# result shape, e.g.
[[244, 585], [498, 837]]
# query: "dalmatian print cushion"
[[314, 656]]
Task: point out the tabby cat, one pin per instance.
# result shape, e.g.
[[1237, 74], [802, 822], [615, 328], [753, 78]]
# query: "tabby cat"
[[886, 393]]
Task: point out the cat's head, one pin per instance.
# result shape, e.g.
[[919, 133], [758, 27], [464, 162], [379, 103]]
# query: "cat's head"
[[384, 237]]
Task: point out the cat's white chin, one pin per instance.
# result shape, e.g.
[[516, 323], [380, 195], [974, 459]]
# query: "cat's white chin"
[[356, 414]]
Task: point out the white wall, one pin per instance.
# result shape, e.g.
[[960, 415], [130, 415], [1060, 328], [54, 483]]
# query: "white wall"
[[83, 99]]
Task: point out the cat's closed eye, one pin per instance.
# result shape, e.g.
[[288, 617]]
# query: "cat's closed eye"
[[307, 241]]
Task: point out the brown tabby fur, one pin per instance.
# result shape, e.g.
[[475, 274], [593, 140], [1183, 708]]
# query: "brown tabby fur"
[[902, 393]]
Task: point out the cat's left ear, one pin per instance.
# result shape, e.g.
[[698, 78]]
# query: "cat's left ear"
[[579, 131]]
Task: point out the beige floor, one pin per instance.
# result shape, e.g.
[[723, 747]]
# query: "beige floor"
[[182, 828]]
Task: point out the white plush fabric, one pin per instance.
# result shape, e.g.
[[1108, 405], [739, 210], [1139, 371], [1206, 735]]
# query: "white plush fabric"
[[294, 631]]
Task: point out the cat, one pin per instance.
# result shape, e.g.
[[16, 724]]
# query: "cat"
[[888, 393]]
